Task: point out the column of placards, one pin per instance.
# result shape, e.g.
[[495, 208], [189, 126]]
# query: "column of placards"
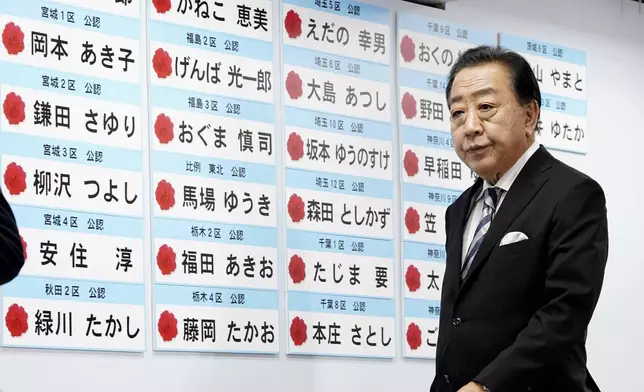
[[70, 150], [432, 176], [214, 200], [339, 184]]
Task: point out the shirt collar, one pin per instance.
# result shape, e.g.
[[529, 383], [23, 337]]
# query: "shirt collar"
[[506, 181]]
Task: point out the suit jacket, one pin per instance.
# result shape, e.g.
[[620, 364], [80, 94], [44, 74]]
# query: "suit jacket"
[[518, 320], [11, 250]]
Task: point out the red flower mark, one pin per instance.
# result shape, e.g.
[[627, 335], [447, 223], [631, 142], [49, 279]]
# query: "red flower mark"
[[293, 24], [14, 108], [162, 63], [24, 248], [165, 195], [167, 326], [412, 278], [296, 208], [407, 48], [298, 331], [297, 269], [408, 106], [16, 320], [410, 162], [414, 336], [412, 220], [163, 128], [15, 179], [293, 85], [162, 6], [295, 146], [166, 260], [13, 38]]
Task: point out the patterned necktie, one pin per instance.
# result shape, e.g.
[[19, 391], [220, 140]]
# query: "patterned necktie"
[[490, 202]]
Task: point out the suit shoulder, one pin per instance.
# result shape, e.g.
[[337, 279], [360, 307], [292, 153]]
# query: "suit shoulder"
[[568, 178]]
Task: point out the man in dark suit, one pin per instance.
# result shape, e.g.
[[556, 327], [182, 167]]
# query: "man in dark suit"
[[526, 245], [11, 252]]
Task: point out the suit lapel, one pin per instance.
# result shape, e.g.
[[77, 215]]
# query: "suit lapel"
[[524, 188], [461, 213]]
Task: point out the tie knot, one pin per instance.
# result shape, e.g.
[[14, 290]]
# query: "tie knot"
[[492, 195]]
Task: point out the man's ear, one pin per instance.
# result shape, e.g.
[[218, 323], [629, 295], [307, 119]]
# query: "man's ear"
[[532, 117]]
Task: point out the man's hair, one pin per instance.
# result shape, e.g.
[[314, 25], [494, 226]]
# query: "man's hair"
[[523, 81]]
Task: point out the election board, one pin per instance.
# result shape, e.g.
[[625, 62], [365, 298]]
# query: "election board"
[[242, 177]]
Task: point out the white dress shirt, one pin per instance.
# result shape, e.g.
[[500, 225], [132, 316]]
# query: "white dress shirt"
[[505, 182]]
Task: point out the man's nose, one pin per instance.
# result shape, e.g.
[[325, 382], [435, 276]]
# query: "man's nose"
[[473, 124]]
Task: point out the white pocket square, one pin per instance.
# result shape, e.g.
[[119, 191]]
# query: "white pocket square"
[[513, 237]]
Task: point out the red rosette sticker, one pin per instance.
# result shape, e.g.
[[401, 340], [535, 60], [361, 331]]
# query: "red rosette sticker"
[[407, 48], [164, 129], [296, 208], [24, 248], [14, 108], [167, 326], [166, 260], [414, 336], [162, 6], [295, 146], [410, 163], [293, 24], [16, 320], [412, 220], [162, 63], [297, 269], [164, 195], [15, 179], [298, 331], [293, 85], [408, 105], [412, 278], [13, 38]]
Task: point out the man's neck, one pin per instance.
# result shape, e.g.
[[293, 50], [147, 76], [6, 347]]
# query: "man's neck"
[[493, 179]]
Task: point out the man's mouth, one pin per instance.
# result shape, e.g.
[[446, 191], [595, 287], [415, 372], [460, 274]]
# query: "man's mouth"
[[476, 148]]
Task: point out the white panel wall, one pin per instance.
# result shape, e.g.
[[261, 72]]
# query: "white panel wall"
[[611, 33]]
